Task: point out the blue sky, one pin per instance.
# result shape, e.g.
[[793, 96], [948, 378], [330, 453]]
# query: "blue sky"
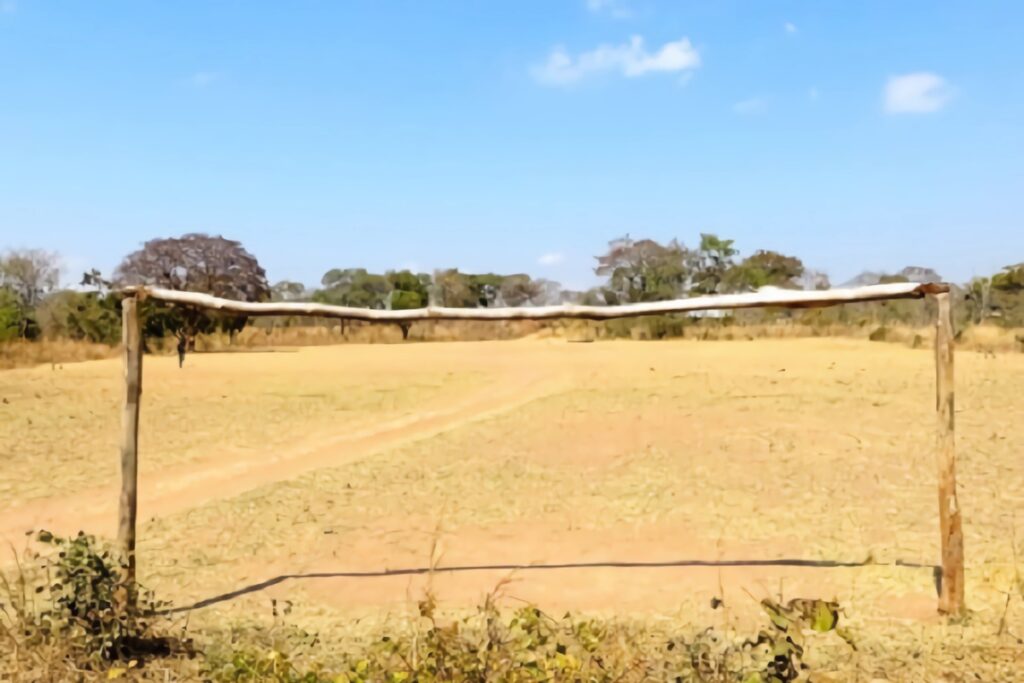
[[515, 136]]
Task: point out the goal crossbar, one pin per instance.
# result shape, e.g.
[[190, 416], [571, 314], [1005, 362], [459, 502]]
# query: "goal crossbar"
[[765, 298]]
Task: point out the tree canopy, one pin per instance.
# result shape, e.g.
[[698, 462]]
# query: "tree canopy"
[[195, 262], [765, 268], [643, 270]]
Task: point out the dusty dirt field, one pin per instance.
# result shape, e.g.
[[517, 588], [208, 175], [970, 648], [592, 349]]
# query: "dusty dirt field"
[[308, 476]]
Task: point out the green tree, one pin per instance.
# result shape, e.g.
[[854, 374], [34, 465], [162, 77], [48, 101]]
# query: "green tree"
[[11, 315], [712, 260], [408, 290], [1007, 295], [84, 316], [1010, 279], [764, 268], [353, 287], [643, 270]]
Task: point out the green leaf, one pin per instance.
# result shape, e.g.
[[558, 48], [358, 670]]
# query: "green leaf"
[[825, 616]]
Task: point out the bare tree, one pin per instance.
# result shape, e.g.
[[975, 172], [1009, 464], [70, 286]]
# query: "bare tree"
[[521, 290], [814, 279], [551, 292], [30, 274], [287, 290]]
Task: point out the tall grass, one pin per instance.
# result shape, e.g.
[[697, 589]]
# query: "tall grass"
[[22, 353]]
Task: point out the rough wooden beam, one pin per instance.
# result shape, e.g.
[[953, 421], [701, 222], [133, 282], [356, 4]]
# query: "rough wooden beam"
[[951, 596], [786, 298], [131, 338]]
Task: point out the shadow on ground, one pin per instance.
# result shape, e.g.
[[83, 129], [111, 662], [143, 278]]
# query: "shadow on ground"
[[413, 571]]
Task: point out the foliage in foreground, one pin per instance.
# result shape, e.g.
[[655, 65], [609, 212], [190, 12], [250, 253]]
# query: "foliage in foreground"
[[73, 615], [73, 611], [532, 646]]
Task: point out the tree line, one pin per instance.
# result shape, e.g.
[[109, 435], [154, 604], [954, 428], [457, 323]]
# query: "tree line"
[[33, 305]]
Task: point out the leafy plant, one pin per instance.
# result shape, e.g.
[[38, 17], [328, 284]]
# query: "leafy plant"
[[529, 645], [77, 609]]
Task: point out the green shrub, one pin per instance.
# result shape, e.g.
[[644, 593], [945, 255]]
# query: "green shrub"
[[77, 610]]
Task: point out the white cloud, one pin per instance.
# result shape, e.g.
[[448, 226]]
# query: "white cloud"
[[812, 94], [8, 7], [750, 106], [916, 93], [203, 79], [629, 59], [617, 9], [551, 258], [790, 28]]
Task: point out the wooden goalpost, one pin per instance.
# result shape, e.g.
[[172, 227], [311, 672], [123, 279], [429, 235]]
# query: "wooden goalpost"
[[951, 581]]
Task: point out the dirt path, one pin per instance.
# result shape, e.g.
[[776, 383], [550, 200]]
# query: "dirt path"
[[226, 475]]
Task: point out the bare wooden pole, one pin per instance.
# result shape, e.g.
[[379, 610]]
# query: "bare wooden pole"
[[787, 298], [951, 594], [131, 340]]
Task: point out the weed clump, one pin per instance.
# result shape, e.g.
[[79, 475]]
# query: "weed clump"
[[529, 645], [74, 609]]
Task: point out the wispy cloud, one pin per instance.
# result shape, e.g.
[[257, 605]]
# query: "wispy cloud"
[[813, 94], [8, 6], [630, 59], [551, 258], [204, 79], [618, 9], [790, 28], [917, 93], [752, 105]]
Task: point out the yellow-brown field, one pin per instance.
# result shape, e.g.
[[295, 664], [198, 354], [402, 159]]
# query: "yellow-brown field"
[[714, 458]]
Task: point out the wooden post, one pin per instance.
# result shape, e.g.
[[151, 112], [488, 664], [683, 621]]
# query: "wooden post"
[[951, 594], [131, 341]]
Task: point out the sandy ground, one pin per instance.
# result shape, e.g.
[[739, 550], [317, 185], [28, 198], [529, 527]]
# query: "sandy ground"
[[636, 479]]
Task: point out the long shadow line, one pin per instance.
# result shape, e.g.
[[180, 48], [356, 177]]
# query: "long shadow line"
[[414, 571]]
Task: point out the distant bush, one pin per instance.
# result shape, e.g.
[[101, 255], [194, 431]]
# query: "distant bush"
[[81, 316]]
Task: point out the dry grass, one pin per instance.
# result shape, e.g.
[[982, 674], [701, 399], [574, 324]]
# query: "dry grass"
[[61, 424], [269, 334], [813, 448], [20, 354]]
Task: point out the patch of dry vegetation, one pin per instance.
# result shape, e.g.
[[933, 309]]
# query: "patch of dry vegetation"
[[21, 354]]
